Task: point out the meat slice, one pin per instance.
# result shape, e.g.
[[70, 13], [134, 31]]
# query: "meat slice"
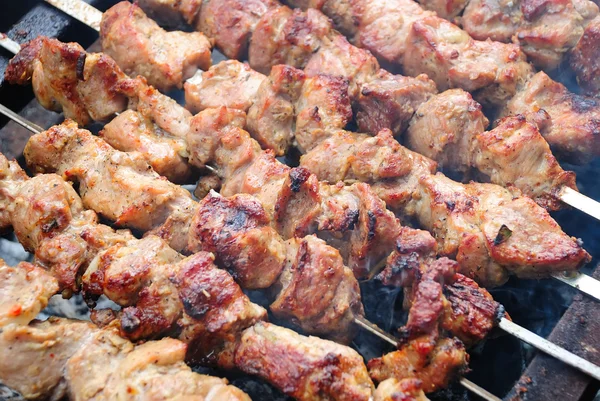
[[585, 56], [570, 123], [141, 47], [404, 389], [65, 78], [229, 83], [313, 369], [172, 13]]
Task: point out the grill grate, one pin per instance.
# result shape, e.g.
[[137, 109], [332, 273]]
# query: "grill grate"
[[502, 365]]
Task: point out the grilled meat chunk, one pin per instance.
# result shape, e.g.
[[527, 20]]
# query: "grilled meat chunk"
[[26, 290], [144, 201], [404, 389], [570, 123], [302, 374], [432, 362], [65, 78], [472, 215], [449, 128], [132, 131], [230, 23], [545, 30], [141, 47], [33, 358], [60, 356], [584, 59], [109, 367], [229, 83]]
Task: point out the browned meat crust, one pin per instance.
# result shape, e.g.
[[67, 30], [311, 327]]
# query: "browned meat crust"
[[585, 58], [141, 47], [65, 78]]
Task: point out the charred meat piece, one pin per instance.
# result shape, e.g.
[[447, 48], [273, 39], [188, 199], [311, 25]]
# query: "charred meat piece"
[[301, 374], [570, 123], [432, 362], [584, 59], [65, 78], [141, 47]]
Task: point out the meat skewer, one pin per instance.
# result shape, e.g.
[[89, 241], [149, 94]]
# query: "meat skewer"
[[60, 357], [571, 196], [136, 272], [171, 159], [110, 265], [496, 73]]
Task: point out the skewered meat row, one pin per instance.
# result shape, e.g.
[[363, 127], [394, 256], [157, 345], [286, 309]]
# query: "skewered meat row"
[[576, 256], [189, 285], [396, 174], [363, 221], [449, 127], [160, 291], [158, 126], [418, 40], [61, 357]]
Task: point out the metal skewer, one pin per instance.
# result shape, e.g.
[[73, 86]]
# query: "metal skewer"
[[360, 321], [522, 334], [582, 282], [92, 17]]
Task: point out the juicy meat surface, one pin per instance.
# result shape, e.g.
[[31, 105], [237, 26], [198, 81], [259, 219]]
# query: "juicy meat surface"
[[450, 128], [434, 363], [585, 58], [404, 389], [65, 78], [131, 131], [141, 47], [109, 367], [229, 83], [230, 23], [545, 30], [33, 357], [26, 289], [570, 123], [472, 215], [313, 369], [125, 190]]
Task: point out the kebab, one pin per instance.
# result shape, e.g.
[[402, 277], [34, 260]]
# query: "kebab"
[[449, 127], [549, 35], [60, 357], [143, 130], [496, 73], [153, 312]]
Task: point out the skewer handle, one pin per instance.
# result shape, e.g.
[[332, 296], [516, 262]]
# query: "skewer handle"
[[9, 44], [579, 201], [550, 348], [584, 283], [79, 10]]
